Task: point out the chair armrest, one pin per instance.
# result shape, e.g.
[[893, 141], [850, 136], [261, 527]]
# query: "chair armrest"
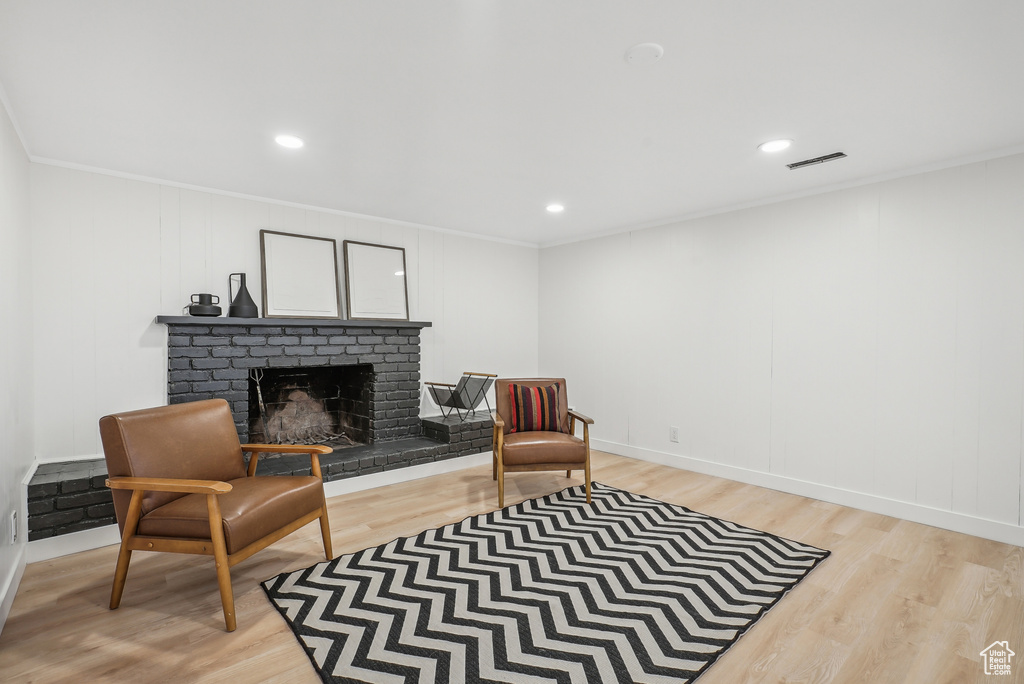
[[485, 375], [314, 451], [287, 448], [168, 484], [439, 384], [579, 416], [498, 422]]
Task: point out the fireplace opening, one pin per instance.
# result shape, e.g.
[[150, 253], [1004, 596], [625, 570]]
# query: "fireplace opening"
[[311, 405]]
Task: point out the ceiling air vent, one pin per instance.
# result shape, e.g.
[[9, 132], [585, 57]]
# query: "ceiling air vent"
[[816, 160]]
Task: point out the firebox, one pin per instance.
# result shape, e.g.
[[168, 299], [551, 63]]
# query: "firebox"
[[318, 405]]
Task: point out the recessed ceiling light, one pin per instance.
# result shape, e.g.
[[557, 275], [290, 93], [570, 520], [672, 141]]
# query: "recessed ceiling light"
[[774, 145], [289, 141], [644, 53], [555, 208]]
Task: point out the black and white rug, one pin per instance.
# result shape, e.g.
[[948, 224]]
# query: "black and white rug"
[[626, 589]]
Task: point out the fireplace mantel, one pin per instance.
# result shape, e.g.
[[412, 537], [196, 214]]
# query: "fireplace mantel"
[[289, 322]]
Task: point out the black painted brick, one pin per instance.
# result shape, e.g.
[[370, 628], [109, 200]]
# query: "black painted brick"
[[341, 339], [356, 349], [231, 374], [40, 507], [189, 375], [249, 341], [178, 388], [283, 339], [313, 340], [55, 519], [250, 363], [210, 363], [189, 352], [210, 341], [329, 349], [266, 351], [230, 352], [76, 485], [104, 510], [83, 499], [211, 386]]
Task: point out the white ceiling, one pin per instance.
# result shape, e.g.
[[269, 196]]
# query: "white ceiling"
[[473, 115]]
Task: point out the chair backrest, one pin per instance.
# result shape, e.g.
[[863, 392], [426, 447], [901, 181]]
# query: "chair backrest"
[[503, 401], [192, 441]]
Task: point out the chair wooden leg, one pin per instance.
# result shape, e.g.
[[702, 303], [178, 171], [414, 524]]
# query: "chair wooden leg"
[[501, 486], [124, 556], [220, 555], [325, 532], [586, 475], [568, 473], [494, 466], [120, 576]]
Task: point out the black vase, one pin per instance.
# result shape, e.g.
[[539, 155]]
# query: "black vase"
[[242, 305]]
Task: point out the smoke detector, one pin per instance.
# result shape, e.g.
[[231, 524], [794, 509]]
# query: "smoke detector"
[[644, 53]]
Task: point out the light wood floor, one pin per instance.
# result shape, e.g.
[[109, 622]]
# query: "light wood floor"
[[896, 601]]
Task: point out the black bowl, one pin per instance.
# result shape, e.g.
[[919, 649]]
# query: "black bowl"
[[203, 310]]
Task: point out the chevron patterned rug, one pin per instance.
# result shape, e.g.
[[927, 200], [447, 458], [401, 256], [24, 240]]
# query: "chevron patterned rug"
[[627, 589]]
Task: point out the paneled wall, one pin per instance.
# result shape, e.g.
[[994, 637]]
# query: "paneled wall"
[[15, 355], [868, 341], [112, 253]]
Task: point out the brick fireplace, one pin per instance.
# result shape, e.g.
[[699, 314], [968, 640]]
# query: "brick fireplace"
[[372, 366], [365, 373]]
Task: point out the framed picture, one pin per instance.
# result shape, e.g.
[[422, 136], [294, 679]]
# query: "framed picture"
[[300, 276], [375, 281]]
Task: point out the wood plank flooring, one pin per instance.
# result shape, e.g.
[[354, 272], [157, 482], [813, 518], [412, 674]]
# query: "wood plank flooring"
[[896, 601]]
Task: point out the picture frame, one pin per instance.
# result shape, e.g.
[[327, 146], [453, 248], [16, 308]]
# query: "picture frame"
[[376, 286], [300, 276]]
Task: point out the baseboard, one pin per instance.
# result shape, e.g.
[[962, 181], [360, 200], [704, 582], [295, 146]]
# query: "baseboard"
[[949, 520], [416, 472], [10, 586], [66, 544]]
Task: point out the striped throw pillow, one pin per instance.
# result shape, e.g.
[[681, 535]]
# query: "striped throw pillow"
[[534, 408]]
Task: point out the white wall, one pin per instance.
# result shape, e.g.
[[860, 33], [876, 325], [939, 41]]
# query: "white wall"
[[864, 346], [16, 451], [112, 253]]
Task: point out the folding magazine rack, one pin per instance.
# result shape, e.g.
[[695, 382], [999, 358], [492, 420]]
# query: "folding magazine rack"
[[464, 396]]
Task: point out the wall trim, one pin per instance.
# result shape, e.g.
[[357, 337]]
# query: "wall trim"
[[980, 157], [86, 540], [10, 586], [957, 522], [74, 166]]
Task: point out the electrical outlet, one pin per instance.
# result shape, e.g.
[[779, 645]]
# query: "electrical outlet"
[[14, 527], [673, 434]]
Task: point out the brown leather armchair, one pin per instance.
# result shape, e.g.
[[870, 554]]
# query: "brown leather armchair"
[[538, 450], [180, 484]]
